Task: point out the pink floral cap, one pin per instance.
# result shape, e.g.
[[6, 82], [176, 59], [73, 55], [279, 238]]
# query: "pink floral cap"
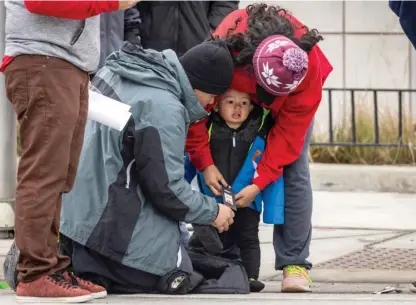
[[279, 65]]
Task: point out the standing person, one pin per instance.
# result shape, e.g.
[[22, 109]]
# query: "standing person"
[[237, 132], [406, 11], [264, 71], [115, 28], [49, 43], [180, 25]]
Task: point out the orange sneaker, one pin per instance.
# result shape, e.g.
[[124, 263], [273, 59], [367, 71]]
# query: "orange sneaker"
[[97, 291], [51, 289]]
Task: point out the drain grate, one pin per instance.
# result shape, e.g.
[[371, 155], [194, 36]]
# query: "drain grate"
[[374, 258]]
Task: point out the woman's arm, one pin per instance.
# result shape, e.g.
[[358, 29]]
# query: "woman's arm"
[[197, 145], [287, 136]]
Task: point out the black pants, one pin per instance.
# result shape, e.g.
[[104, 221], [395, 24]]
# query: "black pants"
[[113, 276], [244, 234]]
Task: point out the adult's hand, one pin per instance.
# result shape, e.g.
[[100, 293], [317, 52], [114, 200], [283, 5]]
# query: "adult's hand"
[[214, 179], [224, 219], [125, 4]]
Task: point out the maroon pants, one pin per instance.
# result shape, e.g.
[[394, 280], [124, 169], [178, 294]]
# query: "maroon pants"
[[50, 98]]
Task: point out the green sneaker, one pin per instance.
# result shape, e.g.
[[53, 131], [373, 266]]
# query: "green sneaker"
[[296, 279]]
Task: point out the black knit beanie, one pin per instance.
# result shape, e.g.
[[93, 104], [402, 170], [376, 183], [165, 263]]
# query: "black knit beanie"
[[209, 67]]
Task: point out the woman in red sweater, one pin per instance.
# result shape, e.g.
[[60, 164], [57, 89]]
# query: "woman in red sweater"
[[293, 107]]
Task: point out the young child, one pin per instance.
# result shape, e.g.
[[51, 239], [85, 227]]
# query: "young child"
[[237, 130]]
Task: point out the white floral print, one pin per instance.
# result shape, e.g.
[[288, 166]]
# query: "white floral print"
[[276, 44], [269, 77]]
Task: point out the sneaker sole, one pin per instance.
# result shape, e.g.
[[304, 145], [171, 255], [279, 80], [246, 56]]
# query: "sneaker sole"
[[99, 295], [79, 299], [296, 289]]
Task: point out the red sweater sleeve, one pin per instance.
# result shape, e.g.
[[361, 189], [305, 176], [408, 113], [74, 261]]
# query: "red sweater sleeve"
[[197, 145], [287, 136], [77, 10], [229, 23]]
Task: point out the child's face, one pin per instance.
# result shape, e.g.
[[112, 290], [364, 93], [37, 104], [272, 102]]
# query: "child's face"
[[234, 107]]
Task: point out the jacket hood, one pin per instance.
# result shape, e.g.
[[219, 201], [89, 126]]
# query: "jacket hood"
[[161, 70]]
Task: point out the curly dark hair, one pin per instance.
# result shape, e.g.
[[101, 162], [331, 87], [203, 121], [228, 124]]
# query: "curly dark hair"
[[264, 21]]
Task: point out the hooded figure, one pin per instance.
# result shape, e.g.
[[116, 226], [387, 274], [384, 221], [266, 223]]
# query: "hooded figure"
[[130, 193]]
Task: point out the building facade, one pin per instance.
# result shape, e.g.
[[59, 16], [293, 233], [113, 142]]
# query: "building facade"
[[368, 49]]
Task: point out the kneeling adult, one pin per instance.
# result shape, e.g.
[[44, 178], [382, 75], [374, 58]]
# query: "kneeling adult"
[[123, 214]]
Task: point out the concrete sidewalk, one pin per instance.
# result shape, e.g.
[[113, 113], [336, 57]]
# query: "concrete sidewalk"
[[7, 298], [362, 242], [363, 178]]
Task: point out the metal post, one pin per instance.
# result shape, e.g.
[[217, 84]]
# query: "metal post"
[[8, 156]]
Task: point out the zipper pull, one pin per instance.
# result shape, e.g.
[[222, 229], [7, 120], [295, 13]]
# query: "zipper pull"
[[233, 139]]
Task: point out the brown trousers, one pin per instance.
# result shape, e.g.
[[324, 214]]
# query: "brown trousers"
[[50, 98]]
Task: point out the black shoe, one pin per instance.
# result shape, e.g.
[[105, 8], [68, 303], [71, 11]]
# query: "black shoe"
[[256, 286]]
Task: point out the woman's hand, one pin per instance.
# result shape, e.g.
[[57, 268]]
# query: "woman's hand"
[[246, 196], [214, 179]]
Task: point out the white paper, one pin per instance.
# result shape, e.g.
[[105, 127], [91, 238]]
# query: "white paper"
[[104, 100], [107, 111]]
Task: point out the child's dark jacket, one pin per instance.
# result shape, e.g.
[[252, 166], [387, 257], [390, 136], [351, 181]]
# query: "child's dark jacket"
[[236, 153]]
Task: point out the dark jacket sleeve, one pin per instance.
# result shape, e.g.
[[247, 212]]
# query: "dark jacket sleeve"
[[395, 6], [159, 154], [406, 11], [218, 10], [132, 25]]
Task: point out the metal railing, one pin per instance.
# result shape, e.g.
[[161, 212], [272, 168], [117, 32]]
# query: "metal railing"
[[352, 100]]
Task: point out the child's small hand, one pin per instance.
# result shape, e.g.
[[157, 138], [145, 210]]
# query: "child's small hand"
[[246, 196], [214, 179]]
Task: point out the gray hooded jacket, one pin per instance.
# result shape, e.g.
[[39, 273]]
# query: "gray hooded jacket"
[[130, 192]]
